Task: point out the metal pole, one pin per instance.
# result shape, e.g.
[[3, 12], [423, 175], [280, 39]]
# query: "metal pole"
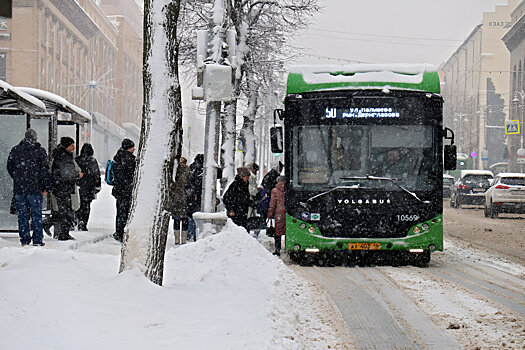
[[211, 149]]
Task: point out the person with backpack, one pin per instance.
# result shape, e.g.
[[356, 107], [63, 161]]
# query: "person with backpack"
[[269, 181], [89, 184], [194, 193], [27, 165], [124, 172]]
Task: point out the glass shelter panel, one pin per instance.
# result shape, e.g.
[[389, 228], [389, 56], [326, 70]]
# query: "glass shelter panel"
[[11, 133]]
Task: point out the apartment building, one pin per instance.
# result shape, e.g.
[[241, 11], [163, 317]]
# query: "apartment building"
[[73, 48], [514, 39], [475, 87]]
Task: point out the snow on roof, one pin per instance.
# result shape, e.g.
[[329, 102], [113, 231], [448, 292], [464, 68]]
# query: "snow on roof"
[[49, 96], [395, 72], [476, 172], [32, 100], [511, 175]]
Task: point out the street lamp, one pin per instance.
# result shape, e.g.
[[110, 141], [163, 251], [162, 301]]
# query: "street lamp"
[[516, 101]]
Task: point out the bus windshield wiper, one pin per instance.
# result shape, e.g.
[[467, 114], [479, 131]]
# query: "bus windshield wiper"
[[378, 178], [333, 189]]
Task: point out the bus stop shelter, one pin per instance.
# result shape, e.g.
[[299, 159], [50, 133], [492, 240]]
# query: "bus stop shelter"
[[50, 115]]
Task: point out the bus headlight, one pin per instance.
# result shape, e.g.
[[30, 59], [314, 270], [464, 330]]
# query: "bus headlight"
[[296, 247], [303, 225], [311, 229], [417, 229], [425, 226], [431, 247]]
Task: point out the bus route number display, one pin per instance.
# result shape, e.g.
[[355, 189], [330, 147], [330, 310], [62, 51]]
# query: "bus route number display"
[[362, 112]]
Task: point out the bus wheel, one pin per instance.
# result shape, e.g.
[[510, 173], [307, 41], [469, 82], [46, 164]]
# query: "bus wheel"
[[422, 259]]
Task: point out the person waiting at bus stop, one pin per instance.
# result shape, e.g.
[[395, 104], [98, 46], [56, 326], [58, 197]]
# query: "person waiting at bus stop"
[[27, 164], [277, 211], [89, 185], [64, 174], [124, 169], [237, 197]]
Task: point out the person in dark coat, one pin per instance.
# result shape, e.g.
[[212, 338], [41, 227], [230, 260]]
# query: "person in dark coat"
[[27, 165], [89, 185], [180, 208], [64, 176], [194, 192], [237, 197], [277, 211], [268, 183], [124, 170]]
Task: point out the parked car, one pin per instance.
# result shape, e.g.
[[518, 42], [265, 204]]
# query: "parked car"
[[497, 168], [506, 195], [470, 187], [448, 180]]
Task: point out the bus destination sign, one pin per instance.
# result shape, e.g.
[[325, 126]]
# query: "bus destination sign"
[[364, 112]]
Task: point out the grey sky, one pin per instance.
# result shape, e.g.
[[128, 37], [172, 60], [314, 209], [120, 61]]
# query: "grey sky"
[[377, 31]]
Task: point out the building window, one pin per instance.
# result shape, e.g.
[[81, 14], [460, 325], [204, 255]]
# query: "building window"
[[3, 66]]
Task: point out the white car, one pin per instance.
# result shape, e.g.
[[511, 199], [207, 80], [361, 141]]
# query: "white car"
[[506, 195]]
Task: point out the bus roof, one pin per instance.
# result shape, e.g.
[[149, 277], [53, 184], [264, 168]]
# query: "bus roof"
[[396, 76]]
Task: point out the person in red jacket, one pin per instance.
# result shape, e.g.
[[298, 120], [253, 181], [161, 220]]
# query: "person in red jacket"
[[277, 211]]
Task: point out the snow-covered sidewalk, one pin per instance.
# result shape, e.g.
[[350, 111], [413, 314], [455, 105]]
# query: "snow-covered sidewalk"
[[225, 291]]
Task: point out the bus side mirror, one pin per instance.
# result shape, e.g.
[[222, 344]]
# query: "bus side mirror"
[[450, 157], [276, 139]]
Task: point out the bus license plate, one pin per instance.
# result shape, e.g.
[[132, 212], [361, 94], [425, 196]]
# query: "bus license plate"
[[364, 246]]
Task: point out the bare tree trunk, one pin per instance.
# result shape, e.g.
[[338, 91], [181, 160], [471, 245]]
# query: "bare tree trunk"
[[160, 143]]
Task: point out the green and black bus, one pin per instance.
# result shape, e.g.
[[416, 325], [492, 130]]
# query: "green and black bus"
[[363, 151]]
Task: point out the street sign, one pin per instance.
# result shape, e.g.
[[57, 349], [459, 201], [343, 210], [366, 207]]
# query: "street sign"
[[485, 155], [512, 127], [521, 153]]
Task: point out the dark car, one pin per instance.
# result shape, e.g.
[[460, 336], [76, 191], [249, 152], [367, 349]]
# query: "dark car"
[[470, 188], [448, 180]]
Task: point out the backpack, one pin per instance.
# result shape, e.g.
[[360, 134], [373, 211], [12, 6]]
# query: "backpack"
[[109, 177], [264, 204]]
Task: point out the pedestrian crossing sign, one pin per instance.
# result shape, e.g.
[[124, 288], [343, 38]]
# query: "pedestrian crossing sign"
[[512, 127]]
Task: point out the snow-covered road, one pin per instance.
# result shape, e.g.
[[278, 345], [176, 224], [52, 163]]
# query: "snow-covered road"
[[466, 298]]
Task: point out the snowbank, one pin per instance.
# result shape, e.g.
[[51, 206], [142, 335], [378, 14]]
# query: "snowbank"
[[225, 291]]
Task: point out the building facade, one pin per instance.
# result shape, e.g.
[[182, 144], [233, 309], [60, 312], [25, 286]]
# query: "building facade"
[[475, 87], [74, 49], [515, 41]]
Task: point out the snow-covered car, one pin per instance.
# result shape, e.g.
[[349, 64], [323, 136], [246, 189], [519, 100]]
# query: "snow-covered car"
[[470, 188], [506, 195], [448, 180]]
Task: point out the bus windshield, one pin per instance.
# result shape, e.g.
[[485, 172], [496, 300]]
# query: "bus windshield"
[[326, 156]]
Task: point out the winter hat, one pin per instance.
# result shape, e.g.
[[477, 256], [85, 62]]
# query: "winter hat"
[[281, 178], [199, 158], [253, 167], [87, 150], [31, 134], [243, 171], [66, 141], [127, 144]]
